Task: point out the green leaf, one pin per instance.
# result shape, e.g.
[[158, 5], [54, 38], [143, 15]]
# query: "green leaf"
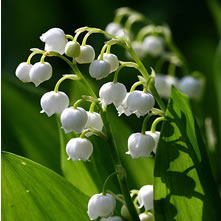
[[26, 131], [184, 188], [33, 192]]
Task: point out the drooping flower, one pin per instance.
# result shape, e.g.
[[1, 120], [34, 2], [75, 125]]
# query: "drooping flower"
[[54, 40], [99, 69], [191, 86], [112, 93], [72, 49], [94, 121], [140, 103], [22, 72], [112, 59], [153, 45], [145, 197], [140, 145], [54, 102], [112, 218], [163, 84], [79, 149], [40, 72], [156, 137], [87, 54], [73, 119], [146, 217], [101, 205]]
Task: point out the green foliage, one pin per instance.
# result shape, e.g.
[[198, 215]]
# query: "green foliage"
[[184, 186], [33, 192]]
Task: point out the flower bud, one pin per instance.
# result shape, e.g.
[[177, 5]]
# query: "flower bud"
[[72, 49], [79, 149], [138, 49], [94, 121], [124, 212], [153, 45], [112, 218], [54, 40], [22, 72], [163, 84], [54, 102], [101, 205], [140, 145], [112, 93], [87, 54], [99, 69], [191, 86], [156, 137], [146, 217], [73, 119], [140, 103], [112, 59], [40, 72], [145, 197], [112, 28]]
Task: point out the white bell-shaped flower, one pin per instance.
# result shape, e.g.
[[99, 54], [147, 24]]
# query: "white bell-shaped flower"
[[101, 205], [79, 149], [163, 84], [112, 218], [145, 197], [138, 49], [94, 121], [112, 93], [54, 40], [22, 72], [112, 28], [72, 49], [87, 54], [146, 217], [54, 102], [156, 137], [123, 108], [73, 119], [99, 69], [40, 72], [191, 86], [153, 45], [140, 145], [140, 103], [112, 59]]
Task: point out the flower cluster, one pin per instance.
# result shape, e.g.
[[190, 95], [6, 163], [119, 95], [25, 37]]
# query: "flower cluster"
[[139, 100]]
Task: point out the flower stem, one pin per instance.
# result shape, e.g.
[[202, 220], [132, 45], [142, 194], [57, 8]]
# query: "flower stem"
[[154, 125], [121, 173], [105, 182], [144, 125]]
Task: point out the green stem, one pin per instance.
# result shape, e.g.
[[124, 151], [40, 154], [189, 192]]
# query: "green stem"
[[69, 37], [76, 71], [91, 110], [43, 58], [144, 125], [156, 95], [33, 54], [154, 125], [171, 69], [76, 104], [108, 49], [136, 84], [71, 76], [102, 52], [121, 173], [141, 67], [124, 64], [215, 9], [105, 182]]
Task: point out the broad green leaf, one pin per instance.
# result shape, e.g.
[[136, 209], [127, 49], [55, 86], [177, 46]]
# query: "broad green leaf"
[[33, 192], [34, 134], [184, 188]]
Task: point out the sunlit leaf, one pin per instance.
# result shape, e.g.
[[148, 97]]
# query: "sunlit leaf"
[[184, 187], [33, 192]]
